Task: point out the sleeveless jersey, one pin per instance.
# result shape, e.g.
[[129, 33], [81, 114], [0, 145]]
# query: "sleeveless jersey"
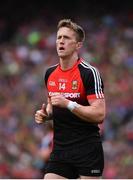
[[80, 83]]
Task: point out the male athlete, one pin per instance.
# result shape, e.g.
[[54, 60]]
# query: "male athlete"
[[77, 105]]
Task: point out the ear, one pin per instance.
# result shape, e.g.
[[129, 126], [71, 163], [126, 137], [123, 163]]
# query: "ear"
[[79, 45]]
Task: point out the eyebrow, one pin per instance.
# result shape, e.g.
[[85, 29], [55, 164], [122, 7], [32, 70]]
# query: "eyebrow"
[[65, 36]]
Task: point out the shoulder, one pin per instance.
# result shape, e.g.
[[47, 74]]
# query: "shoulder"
[[51, 68], [87, 69], [90, 76], [49, 71]]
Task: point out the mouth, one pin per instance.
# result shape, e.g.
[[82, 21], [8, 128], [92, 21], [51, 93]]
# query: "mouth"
[[61, 48]]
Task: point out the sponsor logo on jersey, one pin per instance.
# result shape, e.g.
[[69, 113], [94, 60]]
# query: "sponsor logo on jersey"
[[62, 80], [66, 95], [74, 84]]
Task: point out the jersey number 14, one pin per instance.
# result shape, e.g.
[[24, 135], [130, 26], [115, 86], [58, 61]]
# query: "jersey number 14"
[[62, 86]]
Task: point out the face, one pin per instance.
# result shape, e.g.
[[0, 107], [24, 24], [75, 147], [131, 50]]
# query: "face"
[[66, 42]]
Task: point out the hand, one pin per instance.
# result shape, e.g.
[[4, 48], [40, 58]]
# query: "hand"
[[41, 115], [59, 100]]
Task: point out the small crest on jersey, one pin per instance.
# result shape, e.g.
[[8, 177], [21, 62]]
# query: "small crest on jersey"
[[74, 84]]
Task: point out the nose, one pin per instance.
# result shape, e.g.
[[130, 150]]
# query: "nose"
[[61, 40]]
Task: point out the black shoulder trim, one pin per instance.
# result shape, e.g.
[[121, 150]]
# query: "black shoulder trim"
[[92, 80], [48, 72], [86, 75]]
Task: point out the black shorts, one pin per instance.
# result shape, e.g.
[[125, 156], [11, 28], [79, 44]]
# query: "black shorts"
[[85, 161]]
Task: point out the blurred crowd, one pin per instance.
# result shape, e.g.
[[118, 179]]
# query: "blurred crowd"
[[24, 145]]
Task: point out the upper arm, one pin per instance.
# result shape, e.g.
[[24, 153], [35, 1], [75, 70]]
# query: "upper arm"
[[92, 82], [95, 90], [94, 85], [98, 103], [100, 107]]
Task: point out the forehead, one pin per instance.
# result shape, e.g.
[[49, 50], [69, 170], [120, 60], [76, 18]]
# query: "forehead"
[[66, 31]]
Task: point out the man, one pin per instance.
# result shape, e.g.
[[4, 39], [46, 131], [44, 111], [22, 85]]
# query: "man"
[[76, 103]]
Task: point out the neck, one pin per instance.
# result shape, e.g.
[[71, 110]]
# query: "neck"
[[68, 62]]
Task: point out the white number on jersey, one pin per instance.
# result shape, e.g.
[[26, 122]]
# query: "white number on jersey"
[[62, 86]]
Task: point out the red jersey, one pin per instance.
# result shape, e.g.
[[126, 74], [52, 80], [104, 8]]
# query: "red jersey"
[[80, 83]]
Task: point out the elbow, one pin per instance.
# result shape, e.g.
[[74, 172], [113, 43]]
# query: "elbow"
[[101, 114], [101, 118], [100, 121]]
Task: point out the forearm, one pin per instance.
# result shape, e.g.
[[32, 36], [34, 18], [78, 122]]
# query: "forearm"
[[94, 113]]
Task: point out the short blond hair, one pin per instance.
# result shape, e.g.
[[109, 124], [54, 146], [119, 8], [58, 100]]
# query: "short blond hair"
[[80, 34]]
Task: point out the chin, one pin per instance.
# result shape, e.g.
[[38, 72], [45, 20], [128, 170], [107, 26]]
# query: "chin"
[[62, 55]]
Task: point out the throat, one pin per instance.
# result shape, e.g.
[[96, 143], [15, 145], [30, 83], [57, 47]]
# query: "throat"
[[67, 63]]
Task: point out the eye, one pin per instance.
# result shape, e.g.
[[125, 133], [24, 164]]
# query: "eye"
[[58, 37], [66, 37]]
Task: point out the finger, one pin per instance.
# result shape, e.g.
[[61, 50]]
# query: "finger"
[[53, 102], [43, 108], [38, 116], [53, 99], [40, 113], [39, 119]]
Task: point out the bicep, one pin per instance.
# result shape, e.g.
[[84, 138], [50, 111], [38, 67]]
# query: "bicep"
[[99, 106], [99, 103]]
